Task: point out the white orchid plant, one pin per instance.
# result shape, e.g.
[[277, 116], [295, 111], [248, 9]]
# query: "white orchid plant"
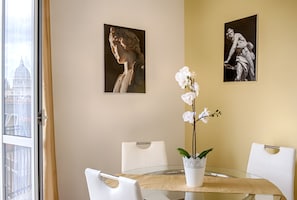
[[186, 81]]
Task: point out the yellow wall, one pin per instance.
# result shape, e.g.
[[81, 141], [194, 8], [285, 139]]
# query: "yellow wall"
[[264, 111]]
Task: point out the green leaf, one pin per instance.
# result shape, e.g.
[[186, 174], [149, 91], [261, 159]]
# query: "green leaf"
[[204, 153], [183, 152]]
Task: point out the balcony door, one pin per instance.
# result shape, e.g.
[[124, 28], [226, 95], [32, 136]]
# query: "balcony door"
[[20, 100]]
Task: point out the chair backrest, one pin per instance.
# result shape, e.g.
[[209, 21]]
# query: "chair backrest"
[[137, 155], [98, 190], [278, 167]]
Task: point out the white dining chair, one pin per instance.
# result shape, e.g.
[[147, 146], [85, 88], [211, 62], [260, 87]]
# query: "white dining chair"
[[274, 163], [140, 155], [98, 190], [145, 156]]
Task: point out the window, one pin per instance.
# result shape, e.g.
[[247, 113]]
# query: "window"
[[20, 100]]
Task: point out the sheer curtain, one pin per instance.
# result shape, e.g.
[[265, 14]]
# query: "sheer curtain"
[[50, 187]]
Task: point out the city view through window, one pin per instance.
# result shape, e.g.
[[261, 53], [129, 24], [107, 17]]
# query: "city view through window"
[[18, 75]]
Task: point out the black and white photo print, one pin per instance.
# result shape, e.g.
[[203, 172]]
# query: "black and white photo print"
[[240, 50]]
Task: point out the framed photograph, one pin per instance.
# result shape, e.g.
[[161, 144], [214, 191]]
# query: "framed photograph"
[[240, 50], [124, 59]]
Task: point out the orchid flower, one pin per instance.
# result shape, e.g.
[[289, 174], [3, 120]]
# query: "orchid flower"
[[182, 77], [203, 116], [186, 81], [188, 98]]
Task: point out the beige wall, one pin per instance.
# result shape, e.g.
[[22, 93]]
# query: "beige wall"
[[90, 124], [263, 111]]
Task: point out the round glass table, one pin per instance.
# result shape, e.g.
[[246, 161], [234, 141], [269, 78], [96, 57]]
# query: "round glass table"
[[159, 191]]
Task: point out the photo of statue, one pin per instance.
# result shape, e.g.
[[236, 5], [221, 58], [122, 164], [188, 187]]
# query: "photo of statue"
[[124, 59], [240, 50]]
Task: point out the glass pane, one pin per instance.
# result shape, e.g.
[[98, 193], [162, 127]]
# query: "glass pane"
[[17, 169], [19, 65]]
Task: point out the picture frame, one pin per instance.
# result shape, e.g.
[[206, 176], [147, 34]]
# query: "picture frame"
[[240, 50], [124, 59]]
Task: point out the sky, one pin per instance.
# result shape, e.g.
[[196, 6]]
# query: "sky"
[[19, 36]]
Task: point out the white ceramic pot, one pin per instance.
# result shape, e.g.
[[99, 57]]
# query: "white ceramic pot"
[[194, 171]]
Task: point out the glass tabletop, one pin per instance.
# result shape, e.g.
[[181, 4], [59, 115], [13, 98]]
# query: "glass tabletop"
[[171, 195], [210, 171]]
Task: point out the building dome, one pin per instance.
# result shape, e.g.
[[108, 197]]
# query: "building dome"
[[22, 77]]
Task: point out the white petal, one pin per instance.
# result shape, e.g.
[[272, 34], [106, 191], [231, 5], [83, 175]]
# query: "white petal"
[[188, 116], [203, 115], [196, 88], [188, 98]]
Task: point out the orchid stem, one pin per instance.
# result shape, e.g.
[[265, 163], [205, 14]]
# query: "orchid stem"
[[194, 151]]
